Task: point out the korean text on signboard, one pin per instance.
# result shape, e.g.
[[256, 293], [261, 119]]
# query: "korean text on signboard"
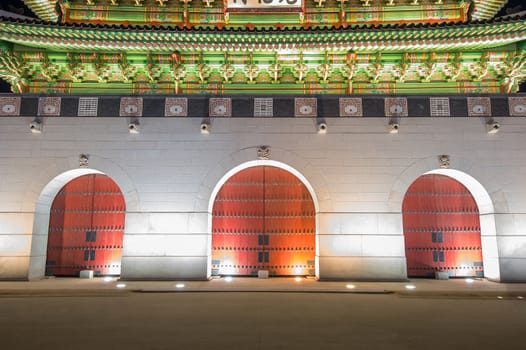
[[241, 4]]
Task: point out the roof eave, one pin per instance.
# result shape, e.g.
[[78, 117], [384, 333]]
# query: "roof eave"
[[484, 34], [487, 9], [44, 9]]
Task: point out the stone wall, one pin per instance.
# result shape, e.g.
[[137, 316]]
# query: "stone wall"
[[170, 171]]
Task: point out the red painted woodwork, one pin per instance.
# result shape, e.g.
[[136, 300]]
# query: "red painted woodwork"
[[86, 227], [263, 219], [441, 228]]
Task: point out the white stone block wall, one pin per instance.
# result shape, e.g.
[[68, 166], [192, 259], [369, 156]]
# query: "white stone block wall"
[[168, 173]]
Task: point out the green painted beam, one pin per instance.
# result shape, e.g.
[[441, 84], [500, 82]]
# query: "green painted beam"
[[291, 72]]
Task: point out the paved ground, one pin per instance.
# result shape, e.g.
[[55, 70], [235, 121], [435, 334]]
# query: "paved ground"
[[261, 314]]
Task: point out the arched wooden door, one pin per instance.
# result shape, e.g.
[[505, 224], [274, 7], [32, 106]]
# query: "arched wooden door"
[[441, 228], [263, 219], [86, 227]]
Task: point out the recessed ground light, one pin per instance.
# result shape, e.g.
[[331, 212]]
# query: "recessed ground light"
[[469, 280], [410, 286], [520, 297], [298, 279], [179, 285], [228, 278], [350, 286], [500, 297], [120, 285], [108, 279]]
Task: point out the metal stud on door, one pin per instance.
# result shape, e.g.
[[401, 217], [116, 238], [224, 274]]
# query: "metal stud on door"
[[263, 219], [86, 227], [441, 228]]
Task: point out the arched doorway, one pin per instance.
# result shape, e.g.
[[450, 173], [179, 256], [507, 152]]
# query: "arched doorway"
[[441, 228], [86, 227], [263, 218]]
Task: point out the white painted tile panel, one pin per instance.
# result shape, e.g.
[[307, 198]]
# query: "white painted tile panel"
[[167, 197], [390, 224], [16, 223], [511, 224], [513, 269], [15, 245], [360, 268], [14, 267], [11, 206], [163, 268], [383, 246], [179, 187], [186, 245], [165, 245], [512, 246], [340, 245], [198, 222], [167, 206], [361, 207], [347, 223], [144, 245]]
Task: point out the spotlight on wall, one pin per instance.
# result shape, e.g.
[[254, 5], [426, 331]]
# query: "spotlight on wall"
[[36, 126], [321, 126], [133, 126], [393, 127], [205, 127], [492, 127]]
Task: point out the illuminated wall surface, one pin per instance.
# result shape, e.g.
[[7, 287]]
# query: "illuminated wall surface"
[[95, 63], [358, 175], [86, 228], [263, 219], [441, 228]]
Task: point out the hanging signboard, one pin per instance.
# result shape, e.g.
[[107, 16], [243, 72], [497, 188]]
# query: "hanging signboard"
[[263, 4]]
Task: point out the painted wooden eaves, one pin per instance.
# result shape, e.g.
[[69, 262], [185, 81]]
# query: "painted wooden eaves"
[[44, 9], [485, 34], [487, 9]]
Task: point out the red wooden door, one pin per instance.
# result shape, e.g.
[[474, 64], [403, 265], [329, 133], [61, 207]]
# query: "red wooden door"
[[86, 227], [263, 219], [441, 228]]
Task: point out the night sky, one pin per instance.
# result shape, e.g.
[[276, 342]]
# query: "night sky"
[[17, 6]]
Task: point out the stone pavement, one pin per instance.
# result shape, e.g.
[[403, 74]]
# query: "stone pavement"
[[420, 287], [271, 314]]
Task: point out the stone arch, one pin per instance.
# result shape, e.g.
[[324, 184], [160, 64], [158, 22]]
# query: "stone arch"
[[480, 194], [43, 190], [257, 163], [86, 228], [290, 159]]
